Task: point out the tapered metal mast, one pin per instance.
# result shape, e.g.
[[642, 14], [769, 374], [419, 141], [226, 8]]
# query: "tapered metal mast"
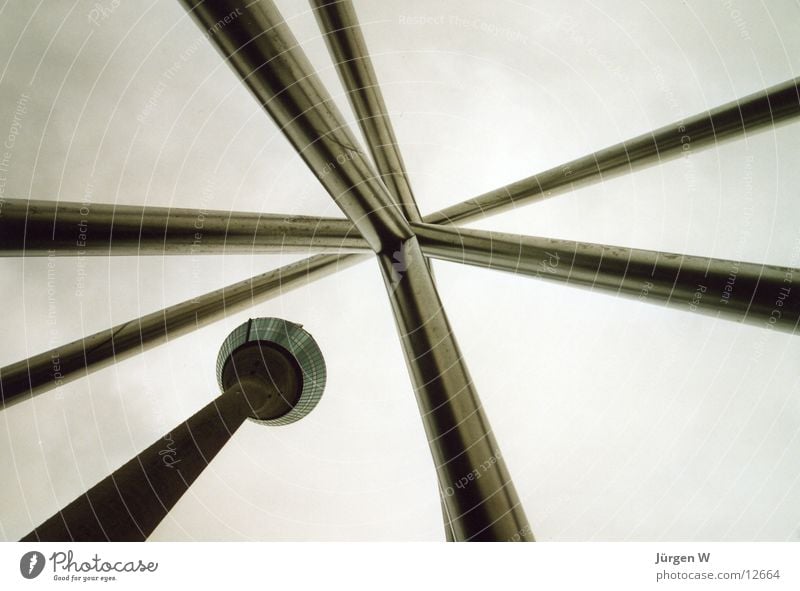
[[747, 292], [45, 371], [776, 104], [262, 49], [338, 21], [48, 228], [478, 493], [339, 25]]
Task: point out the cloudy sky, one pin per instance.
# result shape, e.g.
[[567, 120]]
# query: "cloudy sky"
[[619, 420]]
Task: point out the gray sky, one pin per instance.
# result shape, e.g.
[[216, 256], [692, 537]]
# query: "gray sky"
[[618, 420]]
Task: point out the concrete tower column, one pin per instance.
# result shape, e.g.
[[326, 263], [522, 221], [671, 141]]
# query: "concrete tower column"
[[262, 379]]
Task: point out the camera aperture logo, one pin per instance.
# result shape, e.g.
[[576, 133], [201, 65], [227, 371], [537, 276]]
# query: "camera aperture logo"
[[66, 568], [31, 564]]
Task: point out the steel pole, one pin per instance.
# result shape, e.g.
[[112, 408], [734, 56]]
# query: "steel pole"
[[776, 104], [43, 228], [339, 24], [130, 503], [479, 496], [449, 536], [259, 46], [45, 371], [762, 295]]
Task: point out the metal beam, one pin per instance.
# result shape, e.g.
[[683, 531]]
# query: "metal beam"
[[776, 104], [42, 228], [45, 371], [263, 51], [479, 496], [761, 295], [128, 505], [449, 536], [339, 24]]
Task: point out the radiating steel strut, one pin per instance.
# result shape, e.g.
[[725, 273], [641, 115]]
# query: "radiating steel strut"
[[774, 105], [761, 295], [339, 24], [478, 493], [45, 228], [51, 369]]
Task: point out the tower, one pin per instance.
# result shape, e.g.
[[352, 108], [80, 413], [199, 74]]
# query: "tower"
[[278, 364], [269, 370]]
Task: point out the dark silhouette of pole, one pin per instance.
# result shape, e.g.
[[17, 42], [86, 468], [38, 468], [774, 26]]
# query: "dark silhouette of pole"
[[338, 22], [263, 381], [129, 504], [480, 499], [63, 228]]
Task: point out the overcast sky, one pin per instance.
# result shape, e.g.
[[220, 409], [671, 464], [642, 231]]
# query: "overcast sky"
[[619, 420]]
